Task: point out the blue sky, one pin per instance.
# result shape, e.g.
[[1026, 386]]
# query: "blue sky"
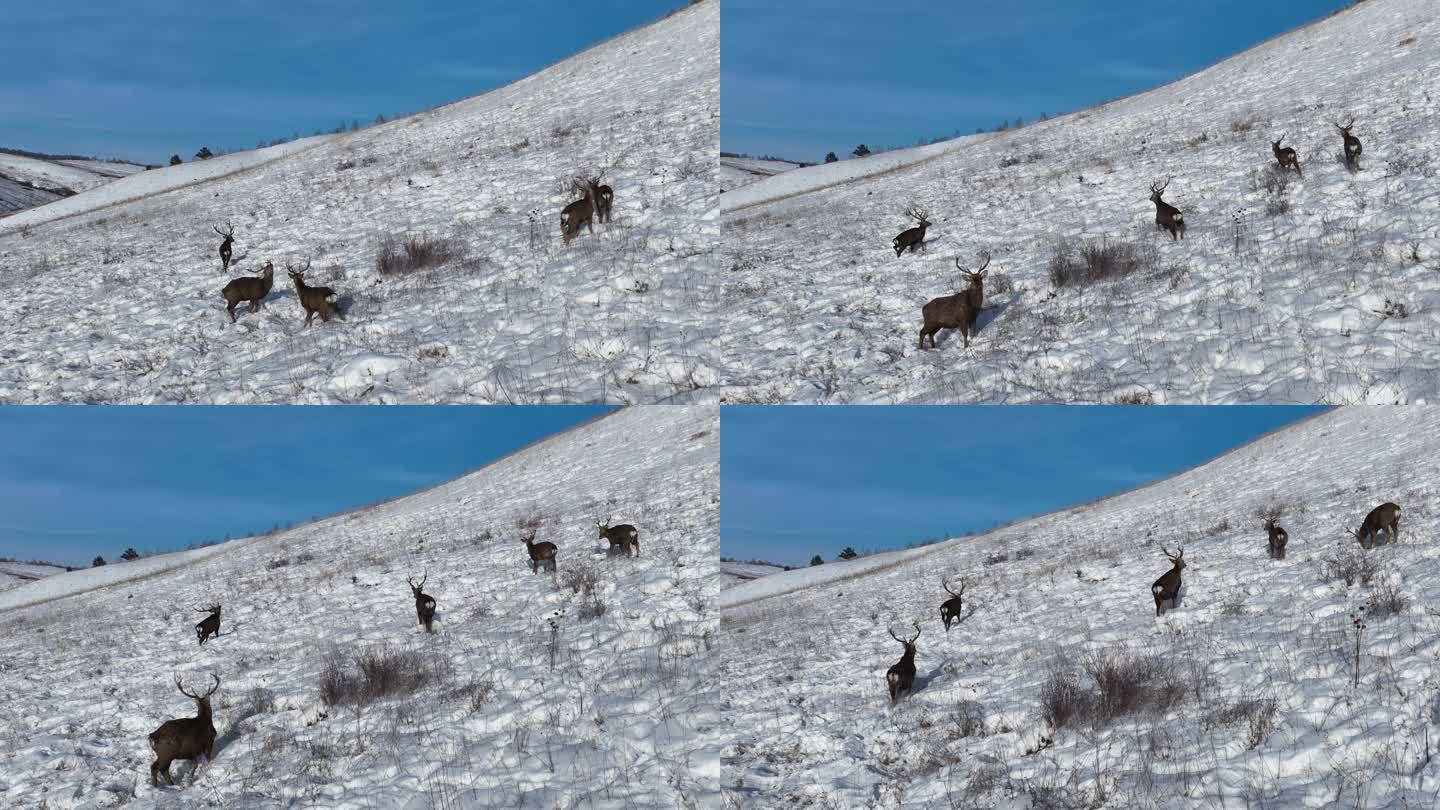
[[800, 481], [146, 78], [803, 77], [77, 481]]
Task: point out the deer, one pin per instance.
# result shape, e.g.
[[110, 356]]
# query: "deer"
[[624, 537], [1167, 587], [424, 602], [313, 299], [185, 737], [1278, 539], [229, 236], [1167, 216], [540, 553], [1352, 144], [580, 212], [1386, 518], [208, 626], [901, 676], [910, 238], [250, 288], [1286, 157], [959, 311], [604, 199], [950, 608]]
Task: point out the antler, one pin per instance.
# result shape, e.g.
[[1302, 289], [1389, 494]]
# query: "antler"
[[228, 227], [912, 638], [1282, 139], [423, 580], [1347, 127], [984, 254], [1161, 190], [946, 585], [916, 213], [211, 609], [301, 271], [189, 694]]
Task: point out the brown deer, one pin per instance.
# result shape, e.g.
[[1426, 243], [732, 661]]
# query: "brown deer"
[[1167, 587], [1286, 157], [604, 199], [229, 234], [249, 288], [540, 553], [1352, 144], [1278, 539], [901, 676], [624, 537], [313, 299], [959, 311], [950, 608], [1167, 216], [424, 603], [184, 738], [580, 212], [1386, 518], [208, 626], [911, 238]]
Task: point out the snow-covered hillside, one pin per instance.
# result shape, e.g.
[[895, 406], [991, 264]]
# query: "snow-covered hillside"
[[733, 572], [1321, 288], [30, 180], [121, 302], [611, 705], [14, 574], [737, 172], [1240, 696]]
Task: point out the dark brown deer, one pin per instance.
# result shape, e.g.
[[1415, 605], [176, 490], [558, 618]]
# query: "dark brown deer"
[[184, 738], [625, 537], [1167, 587], [1386, 518], [911, 238], [1167, 216], [229, 234], [959, 311], [1352, 144], [424, 602], [1278, 539], [540, 553], [901, 676], [950, 608], [1286, 157], [604, 199], [249, 288], [208, 626], [580, 212], [313, 299]]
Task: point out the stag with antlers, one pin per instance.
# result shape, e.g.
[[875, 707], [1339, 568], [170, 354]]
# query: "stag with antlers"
[[911, 238], [901, 676], [1353, 148], [625, 538], [540, 553], [1167, 587], [580, 212], [1383, 518], [210, 625], [313, 299], [959, 311], [1167, 216], [424, 603], [229, 236], [1286, 156], [185, 737], [950, 608]]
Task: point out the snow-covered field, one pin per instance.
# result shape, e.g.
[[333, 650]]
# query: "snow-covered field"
[[14, 574], [114, 295], [613, 708], [733, 573], [1321, 288], [1244, 695], [30, 181], [737, 172]]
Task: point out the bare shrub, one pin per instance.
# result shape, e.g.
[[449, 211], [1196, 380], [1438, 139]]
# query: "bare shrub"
[[258, 701], [996, 558], [1273, 182], [1257, 713], [1061, 698], [580, 579], [969, 719], [377, 673], [1416, 163], [1127, 683], [1350, 566], [1095, 261], [475, 692], [1386, 600], [1219, 528], [413, 252]]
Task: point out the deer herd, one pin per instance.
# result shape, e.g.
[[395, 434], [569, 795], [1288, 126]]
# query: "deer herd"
[[594, 205], [191, 737], [962, 310], [1384, 518]]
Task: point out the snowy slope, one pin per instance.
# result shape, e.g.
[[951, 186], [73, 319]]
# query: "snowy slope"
[[734, 573], [611, 710], [14, 574], [119, 298], [1258, 303], [737, 172], [27, 181], [1260, 651]]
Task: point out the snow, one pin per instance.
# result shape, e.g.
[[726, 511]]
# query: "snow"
[[734, 573], [809, 723], [625, 716], [26, 182], [113, 295], [736, 172], [13, 574], [1257, 304]]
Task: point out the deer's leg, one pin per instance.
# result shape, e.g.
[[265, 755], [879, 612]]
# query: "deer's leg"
[[231, 309]]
